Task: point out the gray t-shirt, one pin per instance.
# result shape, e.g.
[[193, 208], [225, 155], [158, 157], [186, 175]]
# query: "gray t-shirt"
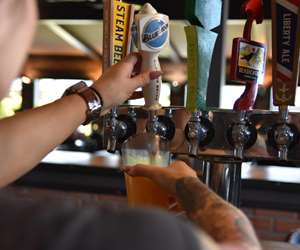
[[65, 226]]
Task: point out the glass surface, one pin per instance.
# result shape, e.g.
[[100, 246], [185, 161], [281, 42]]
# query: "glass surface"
[[145, 149]]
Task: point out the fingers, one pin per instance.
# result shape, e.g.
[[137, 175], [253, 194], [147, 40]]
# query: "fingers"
[[145, 77], [133, 60], [133, 65], [142, 170]]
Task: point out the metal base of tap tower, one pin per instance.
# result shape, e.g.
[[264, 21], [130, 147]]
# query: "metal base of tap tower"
[[220, 169]]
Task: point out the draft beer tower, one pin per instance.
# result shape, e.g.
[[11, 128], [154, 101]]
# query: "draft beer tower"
[[218, 141]]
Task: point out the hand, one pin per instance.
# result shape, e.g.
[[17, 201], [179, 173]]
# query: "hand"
[[164, 177], [117, 84]]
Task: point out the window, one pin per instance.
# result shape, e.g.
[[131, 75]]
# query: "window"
[[13, 101], [48, 90]]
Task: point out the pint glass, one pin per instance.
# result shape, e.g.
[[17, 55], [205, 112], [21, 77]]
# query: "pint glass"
[[151, 150]]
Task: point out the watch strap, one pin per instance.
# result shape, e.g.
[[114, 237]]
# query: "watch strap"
[[91, 97]]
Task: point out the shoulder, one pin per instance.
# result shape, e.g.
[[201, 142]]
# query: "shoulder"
[[98, 228]]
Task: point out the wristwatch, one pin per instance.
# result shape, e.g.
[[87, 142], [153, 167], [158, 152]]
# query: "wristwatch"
[[92, 98]]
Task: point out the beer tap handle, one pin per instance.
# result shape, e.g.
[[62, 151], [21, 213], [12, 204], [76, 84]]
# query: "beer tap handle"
[[152, 90], [285, 54], [286, 38], [151, 35], [247, 100], [205, 16], [248, 58], [116, 45], [254, 10]]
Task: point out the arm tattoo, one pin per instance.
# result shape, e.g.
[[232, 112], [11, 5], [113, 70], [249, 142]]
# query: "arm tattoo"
[[224, 222]]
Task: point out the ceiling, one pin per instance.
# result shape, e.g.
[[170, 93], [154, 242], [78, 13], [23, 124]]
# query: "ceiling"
[[64, 37], [92, 9], [73, 28], [69, 37]]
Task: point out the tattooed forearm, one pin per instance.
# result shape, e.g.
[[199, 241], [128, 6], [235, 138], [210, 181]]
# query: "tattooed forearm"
[[225, 223], [192, 202]]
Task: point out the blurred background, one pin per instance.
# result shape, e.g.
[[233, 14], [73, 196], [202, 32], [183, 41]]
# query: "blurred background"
[[68, 48]]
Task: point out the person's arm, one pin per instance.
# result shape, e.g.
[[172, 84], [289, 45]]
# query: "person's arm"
[[28, 136], [18, 21], [222, 221], [226, 224]]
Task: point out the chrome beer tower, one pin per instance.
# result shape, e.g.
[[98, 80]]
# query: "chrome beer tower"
[[219, 141]]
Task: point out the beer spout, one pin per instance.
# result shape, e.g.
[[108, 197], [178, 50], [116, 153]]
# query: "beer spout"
[[199, 131], [284, 136], [161, 125], [119, 129], [241, 135], [111, 128]]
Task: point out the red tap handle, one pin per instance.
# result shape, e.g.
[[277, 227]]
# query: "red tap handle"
[[254, 10], [247, 99]]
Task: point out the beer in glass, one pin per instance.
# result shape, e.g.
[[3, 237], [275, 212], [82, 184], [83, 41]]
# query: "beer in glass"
[[149, 150]]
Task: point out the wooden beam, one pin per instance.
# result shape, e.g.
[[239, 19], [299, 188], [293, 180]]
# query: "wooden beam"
[[62, 67], [72, 40]]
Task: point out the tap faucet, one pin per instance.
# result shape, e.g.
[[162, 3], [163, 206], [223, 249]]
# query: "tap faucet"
[[283, 136], [199, 131], [119, 129], [161, 125], [241, 135]]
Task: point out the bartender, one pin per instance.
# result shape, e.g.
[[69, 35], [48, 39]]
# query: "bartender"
[[28, 136]]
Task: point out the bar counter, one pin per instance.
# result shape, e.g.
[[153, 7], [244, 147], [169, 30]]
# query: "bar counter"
[[262, 186], [270, 245]]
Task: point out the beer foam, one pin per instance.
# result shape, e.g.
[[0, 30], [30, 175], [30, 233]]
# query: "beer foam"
[[138, 156]]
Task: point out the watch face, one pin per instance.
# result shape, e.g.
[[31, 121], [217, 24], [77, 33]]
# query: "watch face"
[[94, 105]]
